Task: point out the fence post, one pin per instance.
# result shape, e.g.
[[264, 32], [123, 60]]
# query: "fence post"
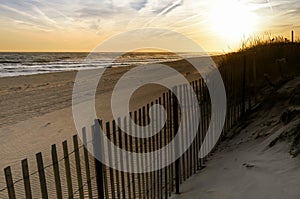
[[156, 147], [121, 159], [198, 138], [202, 112], [175, 119], [189, 118], [142, 150], [115, 140], [131, 149], [160, 146], [126, 140], [165, 144], [26, 179], [68, 170], [185, 127], [78, 167], [56, 171], [195, 142], [9, 183], [137, 148], [97, 150], [40, 166], [87, 164], [254, 78], [292, 36], [171, 133], [244, 86], [144, 115], [206, 118], [111, 171], [150, 146]]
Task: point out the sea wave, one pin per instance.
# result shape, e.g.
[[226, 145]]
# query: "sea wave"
[[15, 64]]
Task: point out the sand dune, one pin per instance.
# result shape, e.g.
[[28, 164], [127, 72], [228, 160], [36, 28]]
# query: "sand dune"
[[259, 157]]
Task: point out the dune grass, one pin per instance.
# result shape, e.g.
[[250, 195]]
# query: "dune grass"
[[276, 59]]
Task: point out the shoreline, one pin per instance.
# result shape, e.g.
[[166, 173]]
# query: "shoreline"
[[16, 92], [129, 64]]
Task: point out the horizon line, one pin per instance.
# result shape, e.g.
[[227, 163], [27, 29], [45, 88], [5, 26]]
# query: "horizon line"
[[212, 52]]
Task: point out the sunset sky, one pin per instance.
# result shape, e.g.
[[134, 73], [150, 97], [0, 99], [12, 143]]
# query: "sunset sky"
[[80, 25]]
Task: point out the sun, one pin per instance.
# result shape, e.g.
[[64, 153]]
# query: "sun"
[[232, 19]]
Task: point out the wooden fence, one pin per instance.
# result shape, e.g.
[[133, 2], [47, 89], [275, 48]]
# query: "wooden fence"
[[74, 173]]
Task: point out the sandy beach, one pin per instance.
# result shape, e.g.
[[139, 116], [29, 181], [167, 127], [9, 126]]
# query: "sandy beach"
[[36, 110], [150, 99]]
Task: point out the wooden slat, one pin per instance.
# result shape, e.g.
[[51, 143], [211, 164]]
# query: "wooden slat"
[[101, 177], [123, 191], [111, 172], [142, 161], [244, 85], [165, 144], [153, 158], [145, 144], [206, 118], [188, 133], [198, 162], [56, 172], [196, 129], [87, 163], [175, 120], [9, 183], [26, 179], [137, 148], [78, 166], [132, 163], [115, 140], [183, 159], [40, 166], [151, 181], [126, 140], [171, 176], [68, 170], [160, 147], [156, 159], [202, 129]]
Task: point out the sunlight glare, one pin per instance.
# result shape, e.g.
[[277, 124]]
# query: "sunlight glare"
[[232, 19]]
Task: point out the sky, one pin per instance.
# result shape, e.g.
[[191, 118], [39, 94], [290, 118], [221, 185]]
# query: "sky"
[[81, 25]]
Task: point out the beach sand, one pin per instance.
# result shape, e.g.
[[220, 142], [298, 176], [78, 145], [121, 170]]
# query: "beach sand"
[[258, 158], [36, 111]]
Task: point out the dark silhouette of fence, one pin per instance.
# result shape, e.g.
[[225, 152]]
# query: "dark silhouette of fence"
[[77, 174]]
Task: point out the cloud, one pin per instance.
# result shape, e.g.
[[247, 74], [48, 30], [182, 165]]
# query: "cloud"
[[90, 12], [120, 15], [171, 7], [28, 13], [138, 4], [62, 14], [160, 6]]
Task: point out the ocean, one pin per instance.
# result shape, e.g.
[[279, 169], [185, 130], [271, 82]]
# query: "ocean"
[[16, 64]]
